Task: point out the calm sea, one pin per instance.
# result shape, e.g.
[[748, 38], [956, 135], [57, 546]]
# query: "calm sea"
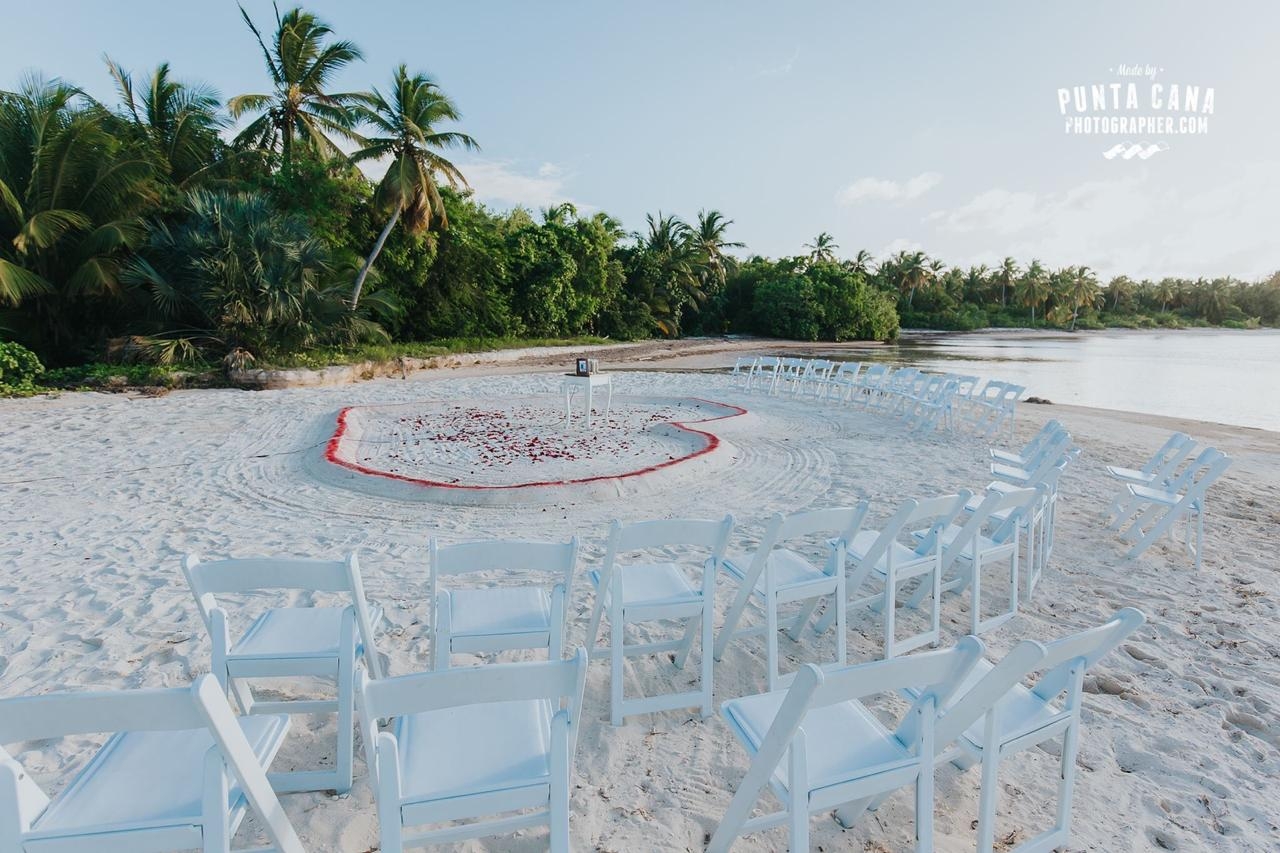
[[1219, 375]]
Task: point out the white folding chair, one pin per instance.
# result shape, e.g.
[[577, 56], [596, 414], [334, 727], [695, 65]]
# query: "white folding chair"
[[814, 377], [640, 592], [1160, 509], [473, 742], [1157, 471], [930, 409], [776, 575], [870, 383], [180, 773], [509, 615], [291, 642], [789, 372], [1025, 717], [844, 381], [901, 381], [990, 534], [743, 368], [1049, 456], [892, 557], [764, 374], [819, 748], [996, 405]]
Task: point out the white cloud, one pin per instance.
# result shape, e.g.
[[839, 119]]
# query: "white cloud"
[[883, 189], [501, 182], [1139, 225]]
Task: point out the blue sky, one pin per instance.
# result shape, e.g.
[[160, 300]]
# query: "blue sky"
[[930, 124]]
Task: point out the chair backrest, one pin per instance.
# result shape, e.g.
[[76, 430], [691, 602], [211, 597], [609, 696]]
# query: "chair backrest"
[[965, 384], [201, 706], [1081, 651], [1046, 432], [227, 577], [934, 513], [847, 372], [903, 377], [557, 558], [698, 534], [840, 524], [1019, 501], [935, 676], [875, 374], [1174, 450], [748, 362], [1198, 469], [980, 697], [560, 682]]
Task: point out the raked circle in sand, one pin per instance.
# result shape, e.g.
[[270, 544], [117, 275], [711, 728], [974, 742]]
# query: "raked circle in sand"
[[521, 450]]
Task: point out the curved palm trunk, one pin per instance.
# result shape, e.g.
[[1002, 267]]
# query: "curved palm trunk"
[[373, 256]]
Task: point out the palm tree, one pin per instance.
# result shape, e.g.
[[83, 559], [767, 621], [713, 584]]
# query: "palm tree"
[[915, 271], [1082, 291], [708, 239], [669, 243], [407, 126], [1033, 289], [71, 197], [1121, 288], [300, 65], [822, 249], [1165, 291], [1006, 275], [177, 122], [860, 263]]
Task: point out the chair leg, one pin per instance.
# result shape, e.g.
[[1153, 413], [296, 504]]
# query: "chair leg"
[[771, 641], [989, 798], [345, 756], [559, 805], [615, 666], [691, 630], [708, 664], [1066, 782], [890, 606]]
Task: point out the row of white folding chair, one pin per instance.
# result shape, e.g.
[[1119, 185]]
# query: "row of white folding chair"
[[1157, 509], [493, 773], [1042, 471], [818, 747]]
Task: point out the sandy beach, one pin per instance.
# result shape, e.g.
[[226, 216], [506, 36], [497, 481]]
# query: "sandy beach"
[[103, 494]]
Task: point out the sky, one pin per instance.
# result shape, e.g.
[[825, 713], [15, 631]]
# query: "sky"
[[923, 125]]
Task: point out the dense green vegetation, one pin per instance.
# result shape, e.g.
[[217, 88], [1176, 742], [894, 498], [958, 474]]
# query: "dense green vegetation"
[[141, 233]]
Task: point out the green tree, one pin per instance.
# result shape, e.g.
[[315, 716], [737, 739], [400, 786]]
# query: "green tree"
[[177, 123], [301, 65], [1033, 289], [1006, 275], [822, 249], [1082, 291], [71, 201], [408, 124]]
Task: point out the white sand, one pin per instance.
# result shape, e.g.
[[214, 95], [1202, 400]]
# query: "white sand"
[[103, 494]]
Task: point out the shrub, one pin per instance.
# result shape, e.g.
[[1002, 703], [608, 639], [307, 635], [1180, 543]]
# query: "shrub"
[[19, 368]]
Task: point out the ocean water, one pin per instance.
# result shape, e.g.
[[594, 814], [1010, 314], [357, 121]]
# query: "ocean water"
[[1219, 375]]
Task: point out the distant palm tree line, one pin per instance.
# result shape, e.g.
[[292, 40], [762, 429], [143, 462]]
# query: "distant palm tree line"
[[141, 221]]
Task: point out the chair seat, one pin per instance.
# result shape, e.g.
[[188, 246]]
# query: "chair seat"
[[1009, 458], [862, 542], [1010, 472], [296, 633], [652, 583], [499, 611], [469, 749], [949, 534], [843, 741], [151, 779], [1021, 711], [787, 567], [1131, 474], [1159, 496]]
